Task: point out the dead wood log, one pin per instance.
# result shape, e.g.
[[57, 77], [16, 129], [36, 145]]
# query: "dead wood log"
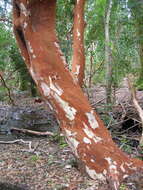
[[31, 132]]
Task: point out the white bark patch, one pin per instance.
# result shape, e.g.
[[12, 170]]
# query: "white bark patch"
[[97, 139], [55, 87], [78, 1], [90, 134], [30, 47], [77, 70], [23, 58], [57, 45], [78, 33], [86, 140], [125, 176], [69, 111], [110, 161], [45, 88], [50, 106], [112, 165], [61, 53], [25, 25], [34, 56], [64, 59], [92, 173], [92, 160], [91, 119], [105, 172], [113, 170], [73, 143], [130, 165], [24, 10], [122, 168], [70, 133]]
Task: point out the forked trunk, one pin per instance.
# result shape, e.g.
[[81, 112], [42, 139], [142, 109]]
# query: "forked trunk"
[[34, 27]]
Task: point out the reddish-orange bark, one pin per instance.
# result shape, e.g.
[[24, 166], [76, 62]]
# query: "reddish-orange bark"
[[78, 60], [83, 129]]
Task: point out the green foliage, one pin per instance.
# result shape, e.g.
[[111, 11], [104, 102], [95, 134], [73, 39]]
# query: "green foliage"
[[57, 138], [123, 187], [11, 61], [139, 84], [124, 41], [19, 65], [5, 43], [125, 145], [34, 158], [65, 26]]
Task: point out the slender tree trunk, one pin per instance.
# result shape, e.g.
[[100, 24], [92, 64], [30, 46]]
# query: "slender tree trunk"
[[78, 60], [108, 59], [140, 43], [91, 66], [136, 8], [34, 27]]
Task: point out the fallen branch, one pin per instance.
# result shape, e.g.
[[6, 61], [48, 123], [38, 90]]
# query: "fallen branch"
[[27, 131], [136, 104], [22, 141], [16, 141]]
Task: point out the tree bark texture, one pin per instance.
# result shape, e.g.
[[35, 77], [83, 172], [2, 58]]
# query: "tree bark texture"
[[34, 28], [108, 60], [78, 60]]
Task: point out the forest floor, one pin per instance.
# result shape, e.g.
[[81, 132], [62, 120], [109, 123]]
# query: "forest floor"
[[49, 163]]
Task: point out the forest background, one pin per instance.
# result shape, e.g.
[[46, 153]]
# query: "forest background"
[[113, 51], [125, 44]]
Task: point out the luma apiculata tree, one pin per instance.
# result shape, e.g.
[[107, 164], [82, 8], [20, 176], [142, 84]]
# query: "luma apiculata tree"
[[90, 141]]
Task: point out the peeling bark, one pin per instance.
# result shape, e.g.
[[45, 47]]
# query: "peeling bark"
[[78, 60], [85, 132]]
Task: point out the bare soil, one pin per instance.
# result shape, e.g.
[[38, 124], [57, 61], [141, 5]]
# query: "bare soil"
[[48, 167]]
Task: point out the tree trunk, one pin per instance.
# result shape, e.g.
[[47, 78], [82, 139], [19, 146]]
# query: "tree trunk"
[[108, 60], [140, 42], [34, 27], [78, 60], [136, 8], [91, 66]]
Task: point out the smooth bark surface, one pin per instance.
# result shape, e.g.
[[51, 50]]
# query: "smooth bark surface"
[[108, 60], [34, 26], [78, 60]]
